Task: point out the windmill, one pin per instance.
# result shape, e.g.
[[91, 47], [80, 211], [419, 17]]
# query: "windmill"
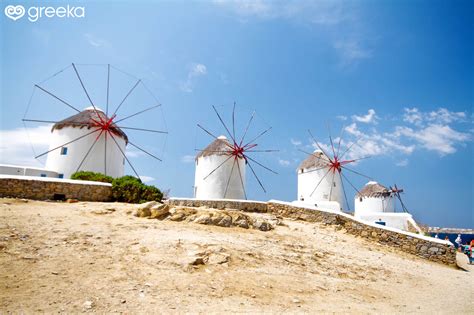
[[93, 139], [395, 191], [221, 166], [321, 176]]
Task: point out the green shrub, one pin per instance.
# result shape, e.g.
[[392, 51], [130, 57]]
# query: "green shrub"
[[131, 189], [151, 193], [96, 177]]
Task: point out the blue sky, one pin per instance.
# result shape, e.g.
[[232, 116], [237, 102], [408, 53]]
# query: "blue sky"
[[398, 75]]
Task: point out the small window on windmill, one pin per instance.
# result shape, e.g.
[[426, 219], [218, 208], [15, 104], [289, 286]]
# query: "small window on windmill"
[[42, 175], [301, 171], [64, 151], [123, 161], [60, 175]]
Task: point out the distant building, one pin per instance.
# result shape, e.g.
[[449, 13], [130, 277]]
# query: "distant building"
[[219, 175]]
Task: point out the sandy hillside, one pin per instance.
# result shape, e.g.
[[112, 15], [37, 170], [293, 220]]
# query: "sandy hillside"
[[98, 257]]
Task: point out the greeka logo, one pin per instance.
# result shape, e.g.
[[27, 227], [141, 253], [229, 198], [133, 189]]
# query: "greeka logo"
[[16, 12]]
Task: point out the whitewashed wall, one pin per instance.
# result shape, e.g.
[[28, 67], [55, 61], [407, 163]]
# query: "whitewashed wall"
[[95, 162], [394, 220], [214, 186], [26, 171], [308, 181]]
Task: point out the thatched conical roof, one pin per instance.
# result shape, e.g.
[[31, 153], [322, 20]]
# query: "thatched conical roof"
[[315, 160], [373, 189], [220, 146], [85, 119]]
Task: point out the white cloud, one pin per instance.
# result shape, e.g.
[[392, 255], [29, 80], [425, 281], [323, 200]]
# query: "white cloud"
[[373, 143], [133, 153], [436, 137], [188, 159], [351, 51], [95, 41], [324, 13], [370, 118], [440, 116], [413, 116], [19, 146], [284, 162], [146, 179], [196, 70], [402, 163], [295, 142], [432, 131]]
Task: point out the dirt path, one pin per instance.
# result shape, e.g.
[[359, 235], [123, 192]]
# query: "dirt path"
[[98, 257]]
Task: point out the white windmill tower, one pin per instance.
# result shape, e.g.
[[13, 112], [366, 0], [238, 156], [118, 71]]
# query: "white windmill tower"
[[220, 167], [90, 151], [321, 176], [328, 191], [373, 198], [214, 182]]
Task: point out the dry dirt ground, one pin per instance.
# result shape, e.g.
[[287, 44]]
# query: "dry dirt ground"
[[98, 257]]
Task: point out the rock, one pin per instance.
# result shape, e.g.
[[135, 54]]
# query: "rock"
[[225, 221], [179, 216], [194, 261], [88, 304], [203, 219], [242, 223], [433, 249], [70, 200], [143, 212], [218, 258], [262, 225], [296, 301], [159, 211]]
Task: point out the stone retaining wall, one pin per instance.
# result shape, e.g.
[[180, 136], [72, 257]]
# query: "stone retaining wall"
[[243, 205], [50, 189], [421, 246]]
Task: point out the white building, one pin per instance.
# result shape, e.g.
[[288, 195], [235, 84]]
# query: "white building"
[[376, 204], [67, 159], [318, 185], [219, 175], [7, 169]]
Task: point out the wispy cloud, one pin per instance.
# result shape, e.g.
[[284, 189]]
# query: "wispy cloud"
[[402, 163], [146, 179], [283, 162], [439, 116], [337, 19], [196, 70], [188, 159], [351, 51], [295, 142], [96, 41], [370, 118], [133, 153], [435, 137], [432, 130], [18, 146]]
